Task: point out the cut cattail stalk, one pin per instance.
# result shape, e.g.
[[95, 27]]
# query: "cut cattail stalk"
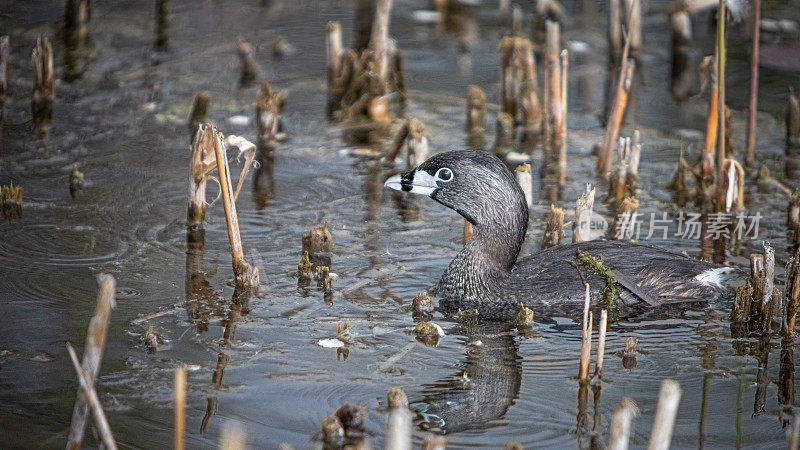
[[76, 19], [5, 52], [247, 60], [562, 155], [525, 181], [614, 27], [681, 24], [553, 88], [601, 344], [334, 55], [793, 217], [43, 84], [792, 293], [554, 228], [476, 109], [623, 153], [721, 154], [246, 275], [233, 437], [180, 408], [398, 424], [87, 390], [621, 421], [93, 355], [11, 201], [379, 38], [199, 110], [516, 20], [202, 163], [508, 75], [267, 117], [733, 185], [504, 133], [162, 24], [75, 180], [616, 114], [434, 442], [792, 120], [528, 90], [581, 225], [633, 11], [586, 338], [793, 434], [767, 289], [625, 211], [753, 105], [666, 411], [412, 134], [398, 80], [467, 231]]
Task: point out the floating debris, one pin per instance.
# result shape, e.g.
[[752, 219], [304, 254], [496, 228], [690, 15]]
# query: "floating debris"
[[75, 180], [422, 304], [525, 317], [428, 333], [330, 343], [151, 340], [629, 354]]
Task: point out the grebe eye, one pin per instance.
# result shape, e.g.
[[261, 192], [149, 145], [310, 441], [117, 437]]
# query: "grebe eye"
[[444, 174]]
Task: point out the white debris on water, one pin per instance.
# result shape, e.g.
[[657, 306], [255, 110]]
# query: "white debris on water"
[[330, 343]]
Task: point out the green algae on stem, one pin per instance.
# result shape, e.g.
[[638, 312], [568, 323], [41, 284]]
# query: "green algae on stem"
[[595, 264]]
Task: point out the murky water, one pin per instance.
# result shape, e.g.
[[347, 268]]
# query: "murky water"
[[255, 360]]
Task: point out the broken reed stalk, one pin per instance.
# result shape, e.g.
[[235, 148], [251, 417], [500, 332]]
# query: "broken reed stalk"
[[753, 105], [552, 79], [792, 120], [247, 60], [476, 109], [562, 155], [87, 389], [92, 357], [43, 84], [668, 399], [524, 178], [586, 338], [246, 275], [793, 434], [412, 134], [528, 100], [792, 293], [379, 38], [633, 11], [180, 409], [334, 54], [721, 18], [504, 133], [467, 231], [201, 164], [733, 185], [601, 343], [581, 225], [554, 228], [616, 113], [5, 51], [712, 123], [232, 437], [162, 24], [76, 18], [623, 153], [267, 116], [508, 76], [620, 430], [614, 26], [199, 110], [398, 424]]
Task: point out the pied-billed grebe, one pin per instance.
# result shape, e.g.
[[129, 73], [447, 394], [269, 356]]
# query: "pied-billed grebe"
[[485, 275]]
